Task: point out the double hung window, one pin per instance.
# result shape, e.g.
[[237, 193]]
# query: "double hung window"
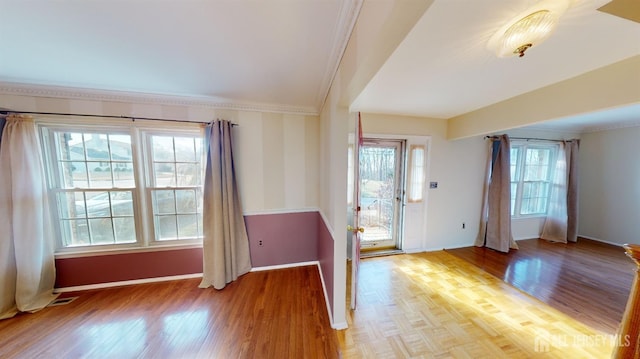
[[531, 175], [114, 187]]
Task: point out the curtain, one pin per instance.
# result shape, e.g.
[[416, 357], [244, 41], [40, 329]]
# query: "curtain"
[[27, 268], [562, 217], [226, 244], [495, 219]]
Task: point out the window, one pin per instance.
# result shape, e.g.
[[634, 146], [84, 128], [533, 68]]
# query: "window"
[[175, 187], [415, 183], [114, 187], [531, 174]]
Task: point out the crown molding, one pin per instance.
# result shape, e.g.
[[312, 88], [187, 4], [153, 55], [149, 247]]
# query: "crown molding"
[[21, 89], [613, 126], [581, 129], [349, 12]]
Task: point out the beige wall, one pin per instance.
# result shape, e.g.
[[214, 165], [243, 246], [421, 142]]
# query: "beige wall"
[[609, 186], [457, 166], [276, 154], [608, 87]]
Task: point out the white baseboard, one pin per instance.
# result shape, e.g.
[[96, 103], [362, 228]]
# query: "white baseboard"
[[600, 240], [125, 282], [282, 266], [525, 238], [326, 296], [435, 249]]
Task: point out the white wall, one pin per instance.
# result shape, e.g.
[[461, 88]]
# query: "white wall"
[[609, 186]]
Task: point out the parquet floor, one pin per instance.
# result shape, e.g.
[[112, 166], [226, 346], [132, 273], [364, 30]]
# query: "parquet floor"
[[435, 305]]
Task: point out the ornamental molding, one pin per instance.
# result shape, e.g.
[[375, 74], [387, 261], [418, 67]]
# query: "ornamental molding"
[[73, 93]]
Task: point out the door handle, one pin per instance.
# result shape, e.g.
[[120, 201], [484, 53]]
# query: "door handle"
[[354, 230]]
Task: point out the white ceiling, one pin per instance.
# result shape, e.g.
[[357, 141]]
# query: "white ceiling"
[[284, 53], [443, 68], [281, 52]]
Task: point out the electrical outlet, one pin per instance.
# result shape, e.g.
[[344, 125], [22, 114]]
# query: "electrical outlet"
[[260, 243], [464, 225], [433, 184]]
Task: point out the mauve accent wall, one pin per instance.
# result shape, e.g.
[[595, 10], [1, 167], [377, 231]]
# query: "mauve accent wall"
[[325, 257], [71, 272], [286, 238]]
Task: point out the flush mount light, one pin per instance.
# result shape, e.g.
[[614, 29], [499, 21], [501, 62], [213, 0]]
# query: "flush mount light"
[[529, 28]]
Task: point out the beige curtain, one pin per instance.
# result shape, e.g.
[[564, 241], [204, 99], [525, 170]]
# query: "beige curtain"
[[495, 219], [225, 244], [27, 268], [561, 224]]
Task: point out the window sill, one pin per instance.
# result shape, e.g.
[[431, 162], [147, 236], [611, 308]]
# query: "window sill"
[[93, 252]]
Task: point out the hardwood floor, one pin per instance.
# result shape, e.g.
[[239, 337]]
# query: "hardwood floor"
[[587, 280], [429, 305], [274, 314]]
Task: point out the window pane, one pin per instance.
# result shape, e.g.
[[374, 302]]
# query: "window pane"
[[164, 174], [120, 146], [101, 231], [186, 201], [537, 164], [514, 192], [98, 204], [125, 230], [185, 149], [74, 174], [416, 173], [75, 232], [96, 146], [513, 163], [187, 226], [122, 203], [71, 205], [198, 145], [100, 174], [164, 202], [200, 233], [162, 149], [188, 174], [166, 227], [123, 175], [534, 197]]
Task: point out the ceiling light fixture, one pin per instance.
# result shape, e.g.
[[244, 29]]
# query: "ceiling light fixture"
[[529, 28]]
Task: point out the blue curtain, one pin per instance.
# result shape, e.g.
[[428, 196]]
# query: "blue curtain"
[[3, 121]]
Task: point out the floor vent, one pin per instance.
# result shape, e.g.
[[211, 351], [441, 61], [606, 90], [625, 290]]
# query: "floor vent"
[[62, 301]]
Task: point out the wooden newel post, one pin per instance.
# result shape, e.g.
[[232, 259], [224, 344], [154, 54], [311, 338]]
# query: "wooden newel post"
[[629, 332]]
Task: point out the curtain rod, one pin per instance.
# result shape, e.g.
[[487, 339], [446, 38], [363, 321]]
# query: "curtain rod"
[[527, 139], [132, 118]]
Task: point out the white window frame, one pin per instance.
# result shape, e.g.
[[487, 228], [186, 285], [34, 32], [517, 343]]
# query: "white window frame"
[[520, 165], [141, 193]]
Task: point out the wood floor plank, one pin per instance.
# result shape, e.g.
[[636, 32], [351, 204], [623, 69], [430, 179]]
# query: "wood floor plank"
[[271, 314], [587, 280]]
